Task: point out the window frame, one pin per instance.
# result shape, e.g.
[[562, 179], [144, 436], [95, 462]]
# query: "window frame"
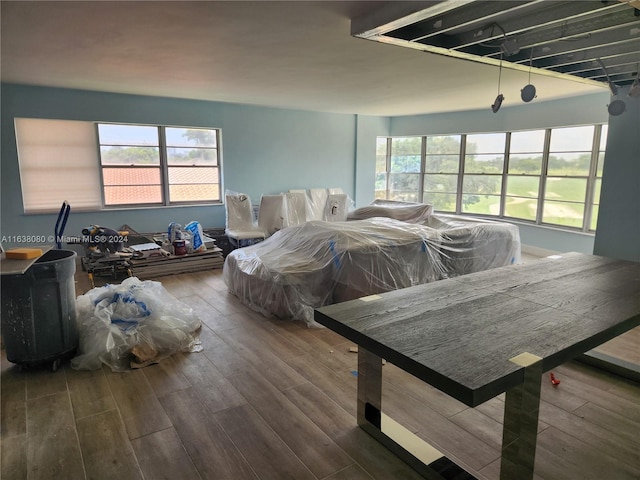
[[163, 167], [590, 203]]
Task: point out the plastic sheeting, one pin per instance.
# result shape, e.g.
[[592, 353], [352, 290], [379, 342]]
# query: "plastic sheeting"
[[136, 321], [407, 212], [318, 263]]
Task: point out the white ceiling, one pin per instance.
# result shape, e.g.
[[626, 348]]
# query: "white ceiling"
[[289, 54]]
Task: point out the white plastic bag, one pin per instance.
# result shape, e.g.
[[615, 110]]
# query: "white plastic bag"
[[118, 322]]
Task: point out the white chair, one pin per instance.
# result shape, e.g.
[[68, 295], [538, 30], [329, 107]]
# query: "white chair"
[[335, 190], [335, 209], [271, 213], [240, 228], [317, 202], [295, 208]]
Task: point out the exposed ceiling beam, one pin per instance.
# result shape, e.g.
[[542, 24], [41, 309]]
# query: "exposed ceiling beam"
[[630, 47], [396, 15], [613, 60], [455, 19], [575, 30], [547, 17], [557, 38], [576, 44]]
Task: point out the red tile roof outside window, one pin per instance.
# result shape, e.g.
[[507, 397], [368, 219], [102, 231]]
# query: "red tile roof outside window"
[[142, 185]]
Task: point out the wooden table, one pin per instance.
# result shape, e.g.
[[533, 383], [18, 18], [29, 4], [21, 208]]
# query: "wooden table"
[[479, 335]]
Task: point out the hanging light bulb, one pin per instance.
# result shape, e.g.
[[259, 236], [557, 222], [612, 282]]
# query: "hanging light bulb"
[[528, 92], [498, 101]]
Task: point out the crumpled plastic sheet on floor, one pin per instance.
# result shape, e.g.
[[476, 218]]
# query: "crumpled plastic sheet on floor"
[[132, 325]]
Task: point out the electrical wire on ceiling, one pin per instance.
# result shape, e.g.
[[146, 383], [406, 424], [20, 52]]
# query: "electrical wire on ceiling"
[[528, 92]]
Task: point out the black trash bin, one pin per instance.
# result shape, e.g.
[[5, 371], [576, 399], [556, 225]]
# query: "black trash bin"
[[39, 311]]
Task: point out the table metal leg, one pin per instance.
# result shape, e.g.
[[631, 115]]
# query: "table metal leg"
[[520, 429], [424, 458], [369, 388]]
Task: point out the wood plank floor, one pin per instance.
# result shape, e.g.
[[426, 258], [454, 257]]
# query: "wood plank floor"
[[269, 399]]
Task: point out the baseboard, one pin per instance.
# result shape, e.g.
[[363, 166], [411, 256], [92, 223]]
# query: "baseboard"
[[537, 251]]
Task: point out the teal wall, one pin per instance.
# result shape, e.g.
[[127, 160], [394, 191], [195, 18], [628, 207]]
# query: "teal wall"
[[268, 150], [365, 168], [265, 150], [618, 229], [581, 110]]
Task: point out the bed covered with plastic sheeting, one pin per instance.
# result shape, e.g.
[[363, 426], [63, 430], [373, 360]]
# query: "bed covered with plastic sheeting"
[[319, 263]]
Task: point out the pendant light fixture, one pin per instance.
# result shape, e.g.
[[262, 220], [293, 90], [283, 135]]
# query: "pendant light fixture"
[[498, 101], [528, 92]]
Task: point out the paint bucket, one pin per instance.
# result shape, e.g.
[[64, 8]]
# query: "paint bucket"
[[179, 247]]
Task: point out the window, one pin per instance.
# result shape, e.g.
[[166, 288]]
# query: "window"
[[58, 161], [93, 166], [550, 176], [441, 168], [404, 169], [483, 168], [156, 165], [524, 172]]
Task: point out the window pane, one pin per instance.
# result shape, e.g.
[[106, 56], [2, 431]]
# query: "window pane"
[[485, 204], [522, 163], [190, 137], [193, 184], [490, 163], [603, 137], [486, 143], [381, 194], [405, 163], [130, 155], [381, 163], [525, 208], [193, 175], [444, 144], [482, 184], [442, 163], [381, 182], [573, 164], [567, 189], [572, 139], [596, 191], [561, 213], [131, 176], [406, 146], [403, 184], [192, 156], [194, 192], [531, 141], [440, 183], [132, 195], [521, 186], [442, 202], [403, 196], [127, 135], [594, 217], [381, 146], [600, 163]]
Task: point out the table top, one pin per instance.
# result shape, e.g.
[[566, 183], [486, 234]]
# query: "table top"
[[13, 266], [459, 334]]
